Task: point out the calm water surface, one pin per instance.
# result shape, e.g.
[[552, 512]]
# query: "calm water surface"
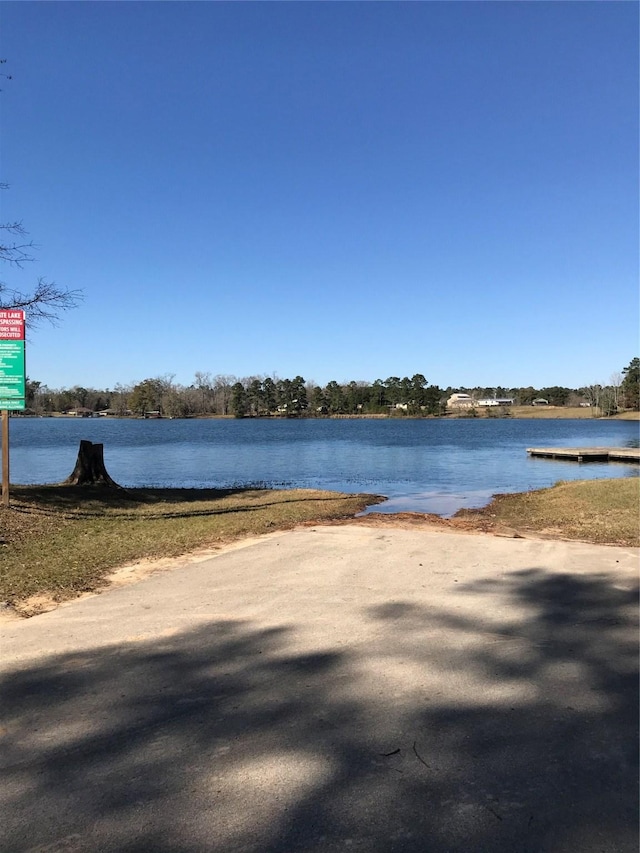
[[420, 465]]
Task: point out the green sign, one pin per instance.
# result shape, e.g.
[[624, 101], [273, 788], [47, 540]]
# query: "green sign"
[[12, 375]]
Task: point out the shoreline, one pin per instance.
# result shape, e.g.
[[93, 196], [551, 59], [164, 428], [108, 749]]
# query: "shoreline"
[[183, 527], [481, 413]]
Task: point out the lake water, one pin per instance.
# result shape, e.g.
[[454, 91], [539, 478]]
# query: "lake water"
[[421, 465]]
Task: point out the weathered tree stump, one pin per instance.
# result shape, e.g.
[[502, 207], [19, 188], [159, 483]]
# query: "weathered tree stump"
[[90, 469]]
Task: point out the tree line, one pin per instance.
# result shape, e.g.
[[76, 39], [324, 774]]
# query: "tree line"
[[265, 396]]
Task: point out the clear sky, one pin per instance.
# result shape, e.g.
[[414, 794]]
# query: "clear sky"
[[337, 190]]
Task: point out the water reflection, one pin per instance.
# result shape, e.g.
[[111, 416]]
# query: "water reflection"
[[437, 503]]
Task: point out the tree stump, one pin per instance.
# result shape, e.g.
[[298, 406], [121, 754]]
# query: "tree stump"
[[90, 470]]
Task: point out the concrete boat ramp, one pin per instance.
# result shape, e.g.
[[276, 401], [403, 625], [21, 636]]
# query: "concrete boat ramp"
[[588, 454], [333, 689]]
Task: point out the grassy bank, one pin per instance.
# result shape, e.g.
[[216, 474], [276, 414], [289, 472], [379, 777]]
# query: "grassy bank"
[[562, 412], [542, 412], [60, 541], [539, 413], [599, 511]]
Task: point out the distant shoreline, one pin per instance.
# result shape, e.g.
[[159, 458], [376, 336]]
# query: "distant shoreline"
[[481, 413]]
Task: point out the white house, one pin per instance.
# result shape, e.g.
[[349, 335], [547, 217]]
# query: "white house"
[[460, 401], [496, 401]]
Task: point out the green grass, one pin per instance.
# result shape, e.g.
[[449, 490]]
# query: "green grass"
[[599, 511], [60, 541]]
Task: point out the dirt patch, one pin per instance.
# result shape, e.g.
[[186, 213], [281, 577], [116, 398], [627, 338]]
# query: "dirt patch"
[[32, 606], [429, 521]]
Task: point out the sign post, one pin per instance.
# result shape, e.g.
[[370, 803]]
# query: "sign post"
[[13, 380]]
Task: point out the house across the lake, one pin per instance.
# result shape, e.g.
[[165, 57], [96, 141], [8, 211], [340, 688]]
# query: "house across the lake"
[[460, 401], [496, 401], [80, 412]]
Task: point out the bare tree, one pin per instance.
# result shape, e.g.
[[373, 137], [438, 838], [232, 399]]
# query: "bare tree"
[[616, 382], [222, 385], [47, 300], [119, 399], [594, 394], [203, 383]]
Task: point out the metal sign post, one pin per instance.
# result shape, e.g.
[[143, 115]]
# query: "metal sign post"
[[13, 380]]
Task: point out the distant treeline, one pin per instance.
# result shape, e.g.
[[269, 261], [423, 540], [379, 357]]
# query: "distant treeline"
[[264, 396]]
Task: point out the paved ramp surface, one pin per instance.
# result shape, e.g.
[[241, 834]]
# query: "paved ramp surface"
[[345, 688]]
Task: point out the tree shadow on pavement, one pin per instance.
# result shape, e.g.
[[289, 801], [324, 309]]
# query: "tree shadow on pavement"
[[458, 728]]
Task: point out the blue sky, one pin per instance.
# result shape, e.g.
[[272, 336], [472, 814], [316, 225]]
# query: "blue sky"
[[337, 190]]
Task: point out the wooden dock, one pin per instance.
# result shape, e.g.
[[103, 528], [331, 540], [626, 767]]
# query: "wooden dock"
[[588, 454]]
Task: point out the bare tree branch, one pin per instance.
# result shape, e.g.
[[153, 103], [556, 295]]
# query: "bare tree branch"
[[15, 253], [6, 76], [45, 302]]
